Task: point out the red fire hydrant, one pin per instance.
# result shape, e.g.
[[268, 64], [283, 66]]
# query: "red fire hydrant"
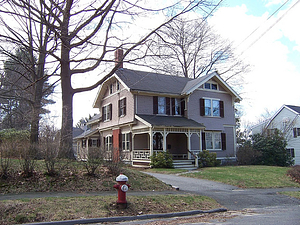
[[122, 188]]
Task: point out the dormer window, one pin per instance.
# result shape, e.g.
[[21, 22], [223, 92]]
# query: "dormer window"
[[211, 86]]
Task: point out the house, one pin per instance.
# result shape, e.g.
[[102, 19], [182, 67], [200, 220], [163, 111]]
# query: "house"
[[287, 120], [144, 112]]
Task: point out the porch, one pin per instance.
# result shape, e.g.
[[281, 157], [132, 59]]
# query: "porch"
[[182, 140]]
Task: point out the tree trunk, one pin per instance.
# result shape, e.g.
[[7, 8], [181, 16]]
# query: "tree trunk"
[[66, 141]]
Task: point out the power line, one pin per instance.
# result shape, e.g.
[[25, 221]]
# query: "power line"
[[270, 27]]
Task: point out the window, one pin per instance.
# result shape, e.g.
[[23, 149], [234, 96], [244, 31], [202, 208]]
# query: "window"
[[211, 86], [118, 85], [126, 141], [158, 141], [214, 141], [211, 107], [122, 107], [291, 152], [94, 142], [161, 105], [168, 106], [108, 143], [83, 143], [296, 132], [176, 106], [107, 112]]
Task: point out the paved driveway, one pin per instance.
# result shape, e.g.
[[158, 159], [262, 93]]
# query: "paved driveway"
[[264, 206], [231, 197]]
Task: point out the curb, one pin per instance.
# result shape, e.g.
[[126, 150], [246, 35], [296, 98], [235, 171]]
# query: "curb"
[[130, 218]]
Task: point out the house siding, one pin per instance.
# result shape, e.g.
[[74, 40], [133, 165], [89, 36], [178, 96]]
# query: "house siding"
[[114, 99]]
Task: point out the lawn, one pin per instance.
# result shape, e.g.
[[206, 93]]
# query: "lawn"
[[56, 209], [247, 176]]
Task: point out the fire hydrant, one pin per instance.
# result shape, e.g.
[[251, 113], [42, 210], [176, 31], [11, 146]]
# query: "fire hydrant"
[[122, 188]]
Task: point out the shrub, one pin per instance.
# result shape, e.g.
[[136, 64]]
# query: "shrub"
[[161, 160], [294, 173], [272, 148], [94, 160], [246, 155], [208, 159]]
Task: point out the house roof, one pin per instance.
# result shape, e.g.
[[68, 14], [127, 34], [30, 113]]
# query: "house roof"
[[152, 82], [168, 121], [86, 133], [294, 108]]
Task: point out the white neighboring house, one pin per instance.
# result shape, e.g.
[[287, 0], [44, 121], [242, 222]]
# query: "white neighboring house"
[[287, 120]]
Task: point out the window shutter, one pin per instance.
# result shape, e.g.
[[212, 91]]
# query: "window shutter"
[[173, 105], [119, 107], [182, 106], [202, 109], [203, 141], [221, 104], [102, 119], [124, 105], [110, 111], [223, 139], [155, 105], [168, 106], [90, 142], [295, 132], [98, 142]]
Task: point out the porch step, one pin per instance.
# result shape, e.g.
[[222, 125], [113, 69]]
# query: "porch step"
[[184, 164]]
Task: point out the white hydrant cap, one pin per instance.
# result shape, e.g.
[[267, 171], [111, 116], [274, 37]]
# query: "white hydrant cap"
[[122, 177]]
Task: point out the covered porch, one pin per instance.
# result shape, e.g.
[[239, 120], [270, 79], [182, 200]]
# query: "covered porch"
[[180, 136]]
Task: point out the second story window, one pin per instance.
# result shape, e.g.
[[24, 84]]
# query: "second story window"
[[107, 112], [296, 132], [122, 107], [211, 86], [161, 105], [211, 107]]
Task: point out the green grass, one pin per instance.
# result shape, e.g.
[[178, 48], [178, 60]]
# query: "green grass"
[[294, 194], [165, 170], [55, 209], [247, 176]]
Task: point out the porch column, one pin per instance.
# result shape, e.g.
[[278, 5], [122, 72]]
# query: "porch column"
[[132, 148], [189, 145], [200, 141], [165, 140], [151, 142]]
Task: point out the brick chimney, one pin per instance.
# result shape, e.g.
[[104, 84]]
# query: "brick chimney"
[[119, 57]]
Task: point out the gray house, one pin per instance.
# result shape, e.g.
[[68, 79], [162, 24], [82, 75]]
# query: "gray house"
[[144, 112]]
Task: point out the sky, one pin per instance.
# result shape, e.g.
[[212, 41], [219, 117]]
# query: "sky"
[[269, 43]]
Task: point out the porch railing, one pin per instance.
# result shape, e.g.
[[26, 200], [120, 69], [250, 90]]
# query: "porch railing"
[[195, 157]]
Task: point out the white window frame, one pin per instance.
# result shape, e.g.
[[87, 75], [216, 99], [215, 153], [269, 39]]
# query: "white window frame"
[[106, 113], [111, 89], [209, 86], [108, 143], [122, 109], [125, 141], [209, 111], [213, 139]]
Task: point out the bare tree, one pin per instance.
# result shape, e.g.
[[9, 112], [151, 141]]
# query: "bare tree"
[[26, 30], [191, 48], [87, 33]]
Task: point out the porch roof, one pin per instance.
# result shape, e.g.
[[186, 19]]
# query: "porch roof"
[[86, 133], [169, 121]]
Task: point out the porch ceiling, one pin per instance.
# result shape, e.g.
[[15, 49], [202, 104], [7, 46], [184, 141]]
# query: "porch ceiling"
[[169, 121]]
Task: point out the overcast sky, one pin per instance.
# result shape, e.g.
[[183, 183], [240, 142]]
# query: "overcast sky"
[[268, 41]]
